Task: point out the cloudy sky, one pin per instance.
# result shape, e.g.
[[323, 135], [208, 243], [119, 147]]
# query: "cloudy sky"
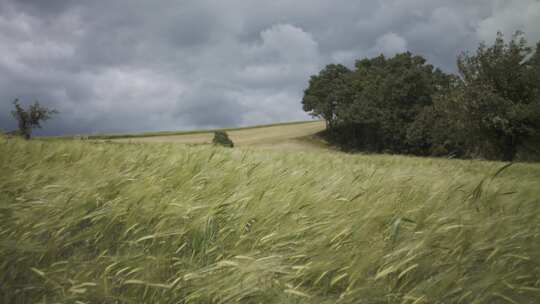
[[141, 65]]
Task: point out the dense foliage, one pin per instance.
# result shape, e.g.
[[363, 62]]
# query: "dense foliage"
[[94, 222], [404, 105], [222, 138]]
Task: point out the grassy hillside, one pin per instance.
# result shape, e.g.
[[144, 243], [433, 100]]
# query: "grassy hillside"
[[191, 132], [166, 223], [296, 136], [290, 136]]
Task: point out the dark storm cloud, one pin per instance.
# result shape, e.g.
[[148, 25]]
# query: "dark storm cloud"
[[127, 66]]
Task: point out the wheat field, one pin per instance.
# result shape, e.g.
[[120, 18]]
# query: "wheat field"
[[97, 222], [297, 136]]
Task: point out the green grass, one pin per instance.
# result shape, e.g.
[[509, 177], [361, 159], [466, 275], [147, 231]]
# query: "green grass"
[[164, 223], [170, 133]]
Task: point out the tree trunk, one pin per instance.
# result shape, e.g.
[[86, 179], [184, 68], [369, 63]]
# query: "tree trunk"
[[26, 134]]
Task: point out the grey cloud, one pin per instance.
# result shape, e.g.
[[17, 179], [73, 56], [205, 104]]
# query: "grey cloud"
[[511, 16], [209, 107], [137, 65], [390, 44]]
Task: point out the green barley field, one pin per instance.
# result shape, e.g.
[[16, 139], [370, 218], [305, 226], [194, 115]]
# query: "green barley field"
[[106, 222]]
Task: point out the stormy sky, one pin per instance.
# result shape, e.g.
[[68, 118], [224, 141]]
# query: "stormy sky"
[[140, 65]]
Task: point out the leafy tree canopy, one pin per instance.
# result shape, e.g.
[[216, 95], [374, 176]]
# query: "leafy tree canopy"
[[222, 138], [402, 104], [31, 118]]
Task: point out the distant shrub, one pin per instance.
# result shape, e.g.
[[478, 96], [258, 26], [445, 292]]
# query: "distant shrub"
[[221, 138], [80, 137]]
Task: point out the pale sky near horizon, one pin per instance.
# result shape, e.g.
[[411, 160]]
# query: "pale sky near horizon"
[[136, 65]]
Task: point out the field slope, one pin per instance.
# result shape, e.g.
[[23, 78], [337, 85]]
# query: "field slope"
[[289, 136], [96, 222]]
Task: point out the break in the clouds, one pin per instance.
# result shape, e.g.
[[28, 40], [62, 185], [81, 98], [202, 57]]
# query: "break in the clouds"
[[137, 65]]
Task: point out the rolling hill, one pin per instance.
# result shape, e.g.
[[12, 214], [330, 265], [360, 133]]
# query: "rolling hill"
[[288, 136]]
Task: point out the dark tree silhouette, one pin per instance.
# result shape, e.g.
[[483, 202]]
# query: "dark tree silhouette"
[[221, 138], [31, 118], [402, 104]]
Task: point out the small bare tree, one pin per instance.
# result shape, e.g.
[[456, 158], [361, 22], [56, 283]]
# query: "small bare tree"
[[31, 118]]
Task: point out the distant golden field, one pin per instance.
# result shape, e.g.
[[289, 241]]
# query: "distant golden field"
[[286, 137]]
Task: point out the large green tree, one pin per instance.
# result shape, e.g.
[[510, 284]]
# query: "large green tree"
[[501, 86], [404, 105], [440, 128], [324, 93], [387, 95]]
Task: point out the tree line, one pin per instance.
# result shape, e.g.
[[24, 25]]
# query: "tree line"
[[402, 104]]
